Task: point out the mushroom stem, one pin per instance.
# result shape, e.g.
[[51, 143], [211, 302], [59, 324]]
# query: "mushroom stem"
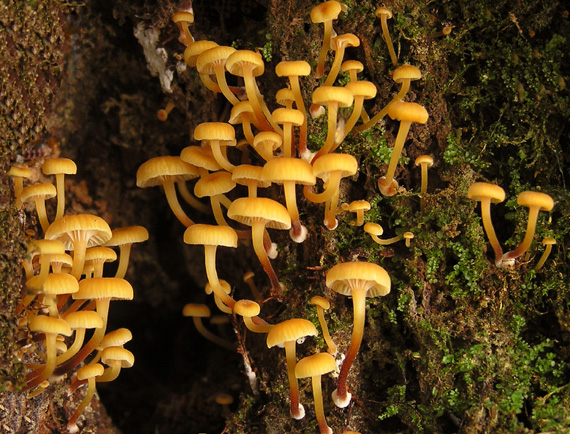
[[211, 336], [388, 39], [319, 407], [331, 346], [374, 119], [190, 199], [170, 192], [544, 256], [297, 410], [257, 235], [529, 235], [74, 348], [490, 230], [298, 231], [396, 152], [34, 378], [72, 423], [331, 130], [59, 185], [42, 213], [210, 261], [341, 396]]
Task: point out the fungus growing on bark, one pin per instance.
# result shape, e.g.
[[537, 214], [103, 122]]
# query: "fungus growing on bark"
[[39, 193], [325, 13], [290, 172], [242, 113], [184, 18], [259, 213], [199, 311], [375, 231], [406, 113], [166, 171], [211, 236], [266, 143], [486, 194], [116, 358], [385, 14], [286, 333], [548, 242], [316, 366], [535, 202], [218, 135], [359, 280], [59, 167], [162, 114], [322, 305], [97, 256]]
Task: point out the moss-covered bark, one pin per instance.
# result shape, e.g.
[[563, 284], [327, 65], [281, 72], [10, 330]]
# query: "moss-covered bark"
[[457, 346]]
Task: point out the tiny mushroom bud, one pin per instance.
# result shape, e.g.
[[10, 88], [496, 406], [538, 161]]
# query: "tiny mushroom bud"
[[408, 236], [286, 333], [425, 162], [162, 114], [315, 366], [322, 305], [548, 242], [359, 207]]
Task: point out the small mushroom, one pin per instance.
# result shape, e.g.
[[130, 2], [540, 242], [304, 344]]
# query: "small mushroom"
[[548, 242], [89, 373], [425, 162], [385, 14], [322, 305], [199, 311]]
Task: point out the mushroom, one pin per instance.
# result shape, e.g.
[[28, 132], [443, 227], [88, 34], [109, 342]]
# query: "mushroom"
[[361, 90], [334, 97], [406, 113], [249, 310], [199, 311], [325, 13], [215, 185], [80, 322], [535, 202], [249, 64], [322, 305], [219, 303], [166, 171], [259, 213], [385, 14], [124, 238], [217, 135], [425, 162], [211, 236], [548, 242], [408, 236], [213, 62], [290, 172], [116, 358], [39, 193], [162, 114], [486, 194], [89, 373], [59, 167], [332, 167], [293, 70], [289, 118], [403, 75], [251, 176], [359, 207], [340, 44], [316, 366], [78, 232], [266, 143], [286, 333], [51, 328], [375, 231], [359, 280], [97, 256], [183, 18], [242, 113], [18, 174], [102, 290]]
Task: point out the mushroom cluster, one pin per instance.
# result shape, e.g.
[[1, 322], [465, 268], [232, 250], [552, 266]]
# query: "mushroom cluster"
[[67, 296]]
